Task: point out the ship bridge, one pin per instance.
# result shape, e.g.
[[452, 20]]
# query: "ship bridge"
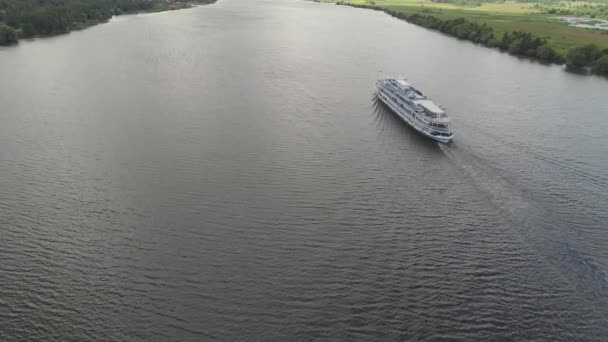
[[432, 110]]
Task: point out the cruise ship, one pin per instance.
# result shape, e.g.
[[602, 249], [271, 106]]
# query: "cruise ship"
[[415, 109]]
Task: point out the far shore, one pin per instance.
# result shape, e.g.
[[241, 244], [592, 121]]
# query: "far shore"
[[580, 54], [13, 35]]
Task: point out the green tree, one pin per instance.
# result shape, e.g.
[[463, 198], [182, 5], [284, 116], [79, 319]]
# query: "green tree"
[[546, 53], [582, 56], [7, 35], [600, 66]]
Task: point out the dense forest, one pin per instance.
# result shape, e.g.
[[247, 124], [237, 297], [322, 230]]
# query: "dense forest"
[[586, 57], [29, 18]]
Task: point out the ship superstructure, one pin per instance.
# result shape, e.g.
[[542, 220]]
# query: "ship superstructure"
[[413, 107]]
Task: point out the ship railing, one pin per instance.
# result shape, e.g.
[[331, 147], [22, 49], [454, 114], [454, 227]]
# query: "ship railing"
[[426, 125], [435, 128]]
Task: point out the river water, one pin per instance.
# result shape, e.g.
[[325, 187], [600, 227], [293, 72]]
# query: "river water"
[[223, 173]]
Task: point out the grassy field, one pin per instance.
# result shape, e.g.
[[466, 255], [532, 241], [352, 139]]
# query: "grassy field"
[[502, 17]]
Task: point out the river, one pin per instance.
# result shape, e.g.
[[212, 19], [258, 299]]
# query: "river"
[[223, 173]]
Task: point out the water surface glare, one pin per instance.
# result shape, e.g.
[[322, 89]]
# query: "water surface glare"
[[223, 173]]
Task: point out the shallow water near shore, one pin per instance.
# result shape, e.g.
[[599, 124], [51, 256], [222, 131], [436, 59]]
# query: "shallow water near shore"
[[224, 173]]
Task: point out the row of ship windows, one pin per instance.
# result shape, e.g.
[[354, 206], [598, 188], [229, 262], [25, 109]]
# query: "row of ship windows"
[[441, 126], [405, 100]]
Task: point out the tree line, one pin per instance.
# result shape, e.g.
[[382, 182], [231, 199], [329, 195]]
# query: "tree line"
[[516, 43], [588, 56], [29, 18], [7, 35]]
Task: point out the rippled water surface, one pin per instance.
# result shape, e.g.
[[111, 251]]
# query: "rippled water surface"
[[223, 173]]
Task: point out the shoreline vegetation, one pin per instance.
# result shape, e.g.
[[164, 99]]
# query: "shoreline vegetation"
[[39, 18], [588, 54]]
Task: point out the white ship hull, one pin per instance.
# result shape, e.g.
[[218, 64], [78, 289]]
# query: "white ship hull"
[[408, 116]]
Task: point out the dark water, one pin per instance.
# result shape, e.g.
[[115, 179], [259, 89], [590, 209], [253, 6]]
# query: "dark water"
[[223, 173]]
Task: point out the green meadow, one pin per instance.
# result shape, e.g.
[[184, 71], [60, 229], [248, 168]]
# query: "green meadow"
[[509, 16]]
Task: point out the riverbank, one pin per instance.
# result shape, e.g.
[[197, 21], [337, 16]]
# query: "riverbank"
[[28, 19], [511, 27]]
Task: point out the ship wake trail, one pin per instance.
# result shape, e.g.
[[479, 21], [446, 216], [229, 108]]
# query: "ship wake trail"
[[565, 190], [598, 183], [534, 222], [504, 194]]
